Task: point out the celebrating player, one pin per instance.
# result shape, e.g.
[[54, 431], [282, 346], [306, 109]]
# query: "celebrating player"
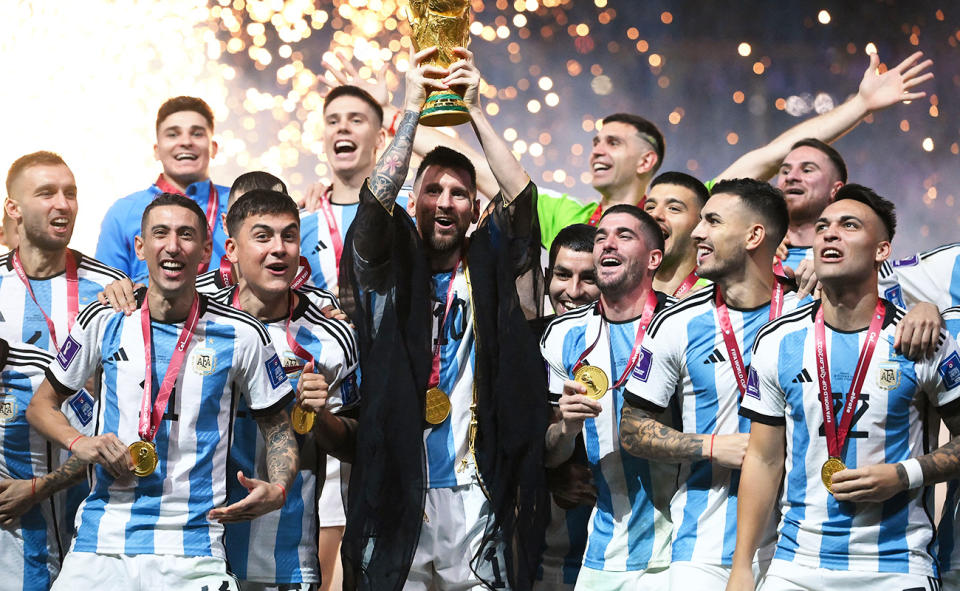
[[571, 276], [591, 352], [839, 420], [162, 429], [699, 350], [184, 147]]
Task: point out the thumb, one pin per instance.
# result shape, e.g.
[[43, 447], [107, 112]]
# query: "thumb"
[[243, 480], [874, 62], [5, 484], [309, 367]]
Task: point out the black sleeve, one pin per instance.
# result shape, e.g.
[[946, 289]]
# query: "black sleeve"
[[760, 418], [373, 233], [642, 403]]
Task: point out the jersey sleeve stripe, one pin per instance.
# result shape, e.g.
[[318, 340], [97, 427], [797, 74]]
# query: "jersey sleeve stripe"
[[337, 330], [753, 415], [697, 299], [232, 313], [570, 316], [57, 386], [86, 316], [92, 264], [950, 409], [795, 316], [642, 403], [941, 248], [273, 408]]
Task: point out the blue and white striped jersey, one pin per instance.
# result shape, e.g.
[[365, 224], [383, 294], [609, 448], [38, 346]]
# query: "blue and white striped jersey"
[[893, 422], [449, 462], [948, 530], [211, 283], [796, 254], [689, 362], [229, 355], [281, 546], [931, 276], [32, 549], [630, 527]]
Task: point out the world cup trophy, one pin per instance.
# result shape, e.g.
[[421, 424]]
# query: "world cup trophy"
[[446, 25]]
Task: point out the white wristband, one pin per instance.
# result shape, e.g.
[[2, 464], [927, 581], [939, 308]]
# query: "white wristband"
[[914, 473]]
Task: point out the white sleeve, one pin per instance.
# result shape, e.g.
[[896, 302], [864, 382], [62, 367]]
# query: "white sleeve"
[[340, 369], [263, 380], [940, 377], [79, 355], [764, 400], [556, 372], [653, 381]]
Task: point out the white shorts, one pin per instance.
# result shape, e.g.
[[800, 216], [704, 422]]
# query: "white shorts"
[[251, 586], [687, 576], [143, 572], [453, 525], [787, 576], [651, 579], [330, 508]]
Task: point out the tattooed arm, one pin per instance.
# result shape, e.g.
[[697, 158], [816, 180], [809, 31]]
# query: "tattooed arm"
[[17, 496], [644, 436], [943, 463], [282, 465]]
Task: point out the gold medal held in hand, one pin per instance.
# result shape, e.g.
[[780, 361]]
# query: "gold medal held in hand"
[[594, 379], [144, 456], [301, 419], [829, 468], [436, 406]]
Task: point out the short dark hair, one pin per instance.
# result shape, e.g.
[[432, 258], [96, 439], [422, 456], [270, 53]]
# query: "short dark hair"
[[165, 199], [682, 179], [256, 179], [763, 199], [647, 130], [576, 237], [260, 202], [884, 208], [648, 226], [348, 90], [185, 103], [829, 151], [444, 156], [41, 158]]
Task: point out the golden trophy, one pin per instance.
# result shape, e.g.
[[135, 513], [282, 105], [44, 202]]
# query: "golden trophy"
[[446, 25]]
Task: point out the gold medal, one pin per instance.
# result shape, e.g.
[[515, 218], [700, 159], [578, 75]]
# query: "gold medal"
[[594, 379], [829, 468], [436, 406], [144, 456], [302, 420]]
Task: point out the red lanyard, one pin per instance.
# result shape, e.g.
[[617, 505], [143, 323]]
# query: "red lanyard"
[[687, 284], [595, 218], [332, 225], [837, 436], [73, 292], [778, 269], [435, 364], [295, 347], [645, 317], [150, 422], [730, 338], [303, 274]]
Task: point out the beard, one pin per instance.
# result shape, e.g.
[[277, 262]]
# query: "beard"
[[444, 244], [630, 278]]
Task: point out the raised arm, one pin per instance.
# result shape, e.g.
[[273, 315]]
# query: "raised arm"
[[644, 436], [877, 91], [17, 496], [511, 178]]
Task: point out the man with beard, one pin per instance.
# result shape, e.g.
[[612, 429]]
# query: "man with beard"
[[184, 147], [447, 487], [697, 354], [840, 423], [675, 201], [589, 352]]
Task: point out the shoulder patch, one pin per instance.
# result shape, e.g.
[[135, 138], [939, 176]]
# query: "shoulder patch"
[[275, 371], [349, 392], [82, 405], [895, 295], [641, 371], [753, 384], [911, 261], [68, 352], [949, 370]]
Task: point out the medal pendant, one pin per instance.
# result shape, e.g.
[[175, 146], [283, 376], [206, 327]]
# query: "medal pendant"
[[594, 379], [436, 406], [829, 468], [144, 456], [302, 420]]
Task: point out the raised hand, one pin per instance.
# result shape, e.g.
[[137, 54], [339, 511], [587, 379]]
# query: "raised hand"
[[263, 497], [347, 74], [879, 91], [465, 76]]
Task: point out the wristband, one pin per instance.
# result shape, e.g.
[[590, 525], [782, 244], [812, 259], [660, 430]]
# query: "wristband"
[[33, 487], [284, 491], [914, 473], [712, 437], [70, 447], [392, 130]]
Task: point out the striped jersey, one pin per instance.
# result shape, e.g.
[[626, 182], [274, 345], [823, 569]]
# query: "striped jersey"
[[796, 254], [229, 355], [281, 546], [948, 530], [449, 462], [893, 422], [629, 529], [931, 276], [689, 362], [32, 549], [211, 283]]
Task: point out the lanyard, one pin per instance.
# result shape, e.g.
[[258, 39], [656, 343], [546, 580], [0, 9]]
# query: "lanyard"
[[837, 435], [645, 317], [73, 292], [435, 364], [687, 284], [150, 421], [303, 273], [595, 218], [730, 338], [332, 226], [295, 347]]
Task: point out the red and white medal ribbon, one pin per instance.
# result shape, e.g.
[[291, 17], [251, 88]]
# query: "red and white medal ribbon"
[[73, 292], [649, 307], [730, 338]]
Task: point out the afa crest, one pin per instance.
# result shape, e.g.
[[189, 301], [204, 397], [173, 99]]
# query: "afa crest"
[[203, 361], [8, 409], [888, 376]]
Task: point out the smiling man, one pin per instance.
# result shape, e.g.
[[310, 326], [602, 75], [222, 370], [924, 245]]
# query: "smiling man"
[[675, 200], [184, 147]]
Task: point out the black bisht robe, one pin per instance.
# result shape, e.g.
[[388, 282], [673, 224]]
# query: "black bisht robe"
[[389, 300]]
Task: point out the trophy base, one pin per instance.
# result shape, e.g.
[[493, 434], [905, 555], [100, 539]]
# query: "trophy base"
[[444, 110]]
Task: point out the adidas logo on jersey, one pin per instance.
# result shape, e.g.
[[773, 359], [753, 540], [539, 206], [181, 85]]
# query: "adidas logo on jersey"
[[120, 355], [715, 357], [802, 378], [320, 246]]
